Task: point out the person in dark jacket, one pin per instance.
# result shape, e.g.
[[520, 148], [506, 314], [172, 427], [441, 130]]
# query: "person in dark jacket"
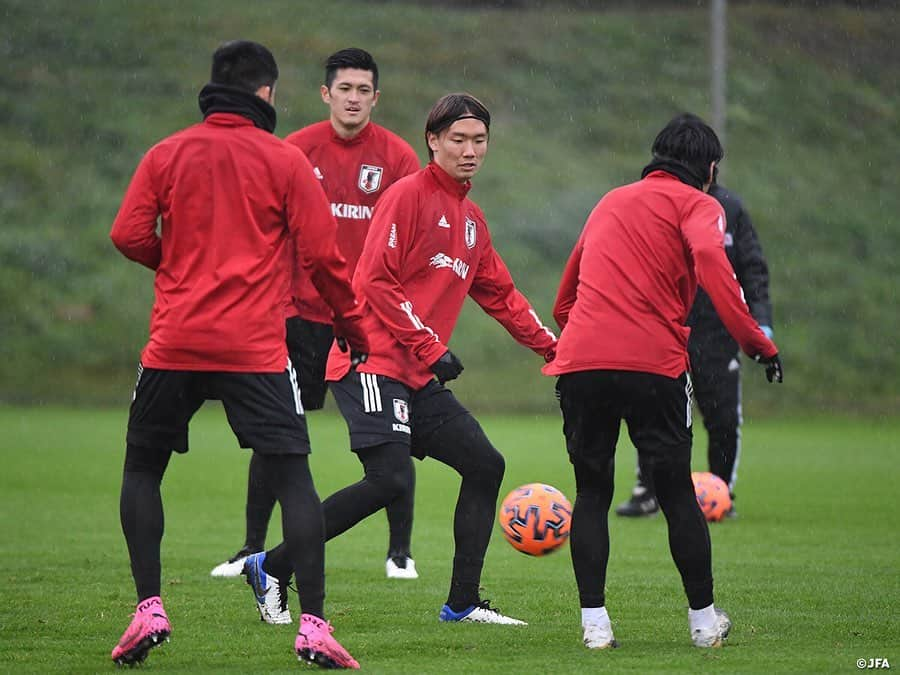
[[715, 362]]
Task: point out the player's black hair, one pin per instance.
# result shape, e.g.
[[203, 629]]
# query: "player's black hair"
[[244, 65], [454, 107], [352, 57], [689, 141]]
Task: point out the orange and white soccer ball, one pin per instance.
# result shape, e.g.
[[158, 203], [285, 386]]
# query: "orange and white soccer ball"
[[712, 495], [536, 519]]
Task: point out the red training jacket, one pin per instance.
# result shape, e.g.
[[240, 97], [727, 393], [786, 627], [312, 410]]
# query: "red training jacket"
[[228, 197], [428, 248], [354, 173], [630, 281]]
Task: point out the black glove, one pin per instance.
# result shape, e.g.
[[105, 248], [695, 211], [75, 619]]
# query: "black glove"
[[447, 368], [355, 357], [774, 371]]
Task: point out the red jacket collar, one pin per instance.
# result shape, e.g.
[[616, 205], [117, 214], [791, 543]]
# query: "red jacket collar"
[[223, 119], [661, 173], [359, 138], [447, 182]]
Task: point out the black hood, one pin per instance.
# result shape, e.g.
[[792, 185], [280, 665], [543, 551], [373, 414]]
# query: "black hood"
[[218, 98], [683, 172]]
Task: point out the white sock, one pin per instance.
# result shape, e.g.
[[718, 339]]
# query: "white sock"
[[702, 619], [594, 616]]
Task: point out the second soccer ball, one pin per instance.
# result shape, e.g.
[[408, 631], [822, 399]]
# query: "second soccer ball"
[[712, 495]]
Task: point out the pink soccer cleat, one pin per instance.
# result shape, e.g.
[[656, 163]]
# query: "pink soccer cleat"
[[149, 627], [316, 646]]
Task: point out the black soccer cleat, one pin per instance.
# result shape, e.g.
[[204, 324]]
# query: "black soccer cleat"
[[638, 506]]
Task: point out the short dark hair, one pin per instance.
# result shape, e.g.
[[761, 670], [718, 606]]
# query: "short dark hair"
[[453, 107], [352, 57], [244, 65], [691, 141]]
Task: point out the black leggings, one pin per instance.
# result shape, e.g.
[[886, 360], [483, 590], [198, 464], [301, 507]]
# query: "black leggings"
[[461, 444], [141, 515], [399, 510], [688, 533], [289, 479], [287, 476]]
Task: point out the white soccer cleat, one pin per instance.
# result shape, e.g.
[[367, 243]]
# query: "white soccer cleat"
[[714, 636], [401, 568], [234, 565], [228, 568], [271, 595], [599, 636], [480, 613]]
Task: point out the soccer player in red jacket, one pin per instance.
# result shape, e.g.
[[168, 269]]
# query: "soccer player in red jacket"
[[214, 210], [355, 161], [622, 306], [428, 248]]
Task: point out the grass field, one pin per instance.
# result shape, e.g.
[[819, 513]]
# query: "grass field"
[[810, 571]]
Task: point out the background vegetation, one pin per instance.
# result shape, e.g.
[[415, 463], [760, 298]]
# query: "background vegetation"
[[578, 91]]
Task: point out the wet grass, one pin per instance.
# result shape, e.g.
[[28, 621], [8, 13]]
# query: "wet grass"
[[808, 571]]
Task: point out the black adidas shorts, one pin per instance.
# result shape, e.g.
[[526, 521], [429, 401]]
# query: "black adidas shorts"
[[308, 344], [656, 410], [263, 409], [379, 409]]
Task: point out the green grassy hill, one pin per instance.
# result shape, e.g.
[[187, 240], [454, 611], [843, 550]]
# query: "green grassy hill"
[[813, 147]]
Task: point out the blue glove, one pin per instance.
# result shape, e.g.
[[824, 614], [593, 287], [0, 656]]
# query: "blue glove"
[[767, 331]]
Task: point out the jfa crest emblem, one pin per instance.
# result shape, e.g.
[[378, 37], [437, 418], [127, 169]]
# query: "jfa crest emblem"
[[470, 233], [369, 178], [401, 410]]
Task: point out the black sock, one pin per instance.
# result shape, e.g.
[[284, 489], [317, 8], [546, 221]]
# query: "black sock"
[[462, 594]]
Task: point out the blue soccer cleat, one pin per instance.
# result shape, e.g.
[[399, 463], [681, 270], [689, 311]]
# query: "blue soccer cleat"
[[480, 613], [270, 594]]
